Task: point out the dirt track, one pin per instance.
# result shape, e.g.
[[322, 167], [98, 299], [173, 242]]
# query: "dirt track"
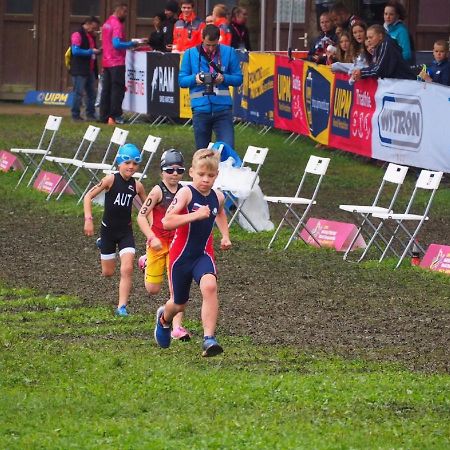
[[317, 303]]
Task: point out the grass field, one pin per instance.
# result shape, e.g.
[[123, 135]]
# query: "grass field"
[[74, 376]]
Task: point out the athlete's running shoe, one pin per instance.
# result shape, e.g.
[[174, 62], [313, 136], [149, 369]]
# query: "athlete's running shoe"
[[181, 334], [211, 346], [122, 311], [162, 333]]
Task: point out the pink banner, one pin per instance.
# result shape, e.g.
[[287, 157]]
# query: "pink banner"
[[289, 109], [51, 182], [353, 106], [8, 161], [437, 258], [332, 234]]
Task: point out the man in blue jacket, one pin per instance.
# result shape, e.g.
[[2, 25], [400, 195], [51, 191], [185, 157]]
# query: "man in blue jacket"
[[208, 70]]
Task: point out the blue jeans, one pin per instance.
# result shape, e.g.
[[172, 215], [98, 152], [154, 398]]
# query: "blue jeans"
[[220, 122], [83, 84]]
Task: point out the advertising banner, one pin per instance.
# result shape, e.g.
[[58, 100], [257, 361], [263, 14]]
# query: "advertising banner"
[[241, 94], [353, 106], [260, 85], [48, 98], [411, 124], [135, 99], [317, 88], [163, 97], [289, 107]]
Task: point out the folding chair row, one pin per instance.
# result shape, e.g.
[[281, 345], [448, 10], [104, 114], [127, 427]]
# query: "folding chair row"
[[70, 167], [384, 227]]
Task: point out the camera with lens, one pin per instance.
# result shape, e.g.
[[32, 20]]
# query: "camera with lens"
[[208, 81]]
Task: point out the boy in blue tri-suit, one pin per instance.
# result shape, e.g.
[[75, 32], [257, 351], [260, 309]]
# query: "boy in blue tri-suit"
[[116, 230], [193, 212]]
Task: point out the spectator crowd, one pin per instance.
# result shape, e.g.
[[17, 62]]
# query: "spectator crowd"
[[381, 48]]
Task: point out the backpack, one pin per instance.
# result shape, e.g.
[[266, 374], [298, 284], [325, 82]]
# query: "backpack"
[[68, 57]]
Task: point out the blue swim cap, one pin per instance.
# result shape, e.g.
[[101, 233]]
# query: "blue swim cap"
[[128, 152]]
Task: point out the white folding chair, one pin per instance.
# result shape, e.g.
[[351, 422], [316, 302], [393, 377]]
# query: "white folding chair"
[[118, 139], [394, 175], [43, 149], [317, 167], [151, 146], [253, 159], [64, 164], [428, 181]]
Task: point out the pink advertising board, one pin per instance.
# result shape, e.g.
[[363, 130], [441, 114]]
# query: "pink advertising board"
[[8, 161], [332, 234], [437, 258], [46, 182]]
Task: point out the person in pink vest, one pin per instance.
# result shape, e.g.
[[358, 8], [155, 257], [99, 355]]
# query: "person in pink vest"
[[114, 51]]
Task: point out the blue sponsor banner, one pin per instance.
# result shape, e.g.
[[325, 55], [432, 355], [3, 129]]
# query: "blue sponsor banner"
[[240, 94], [317, 101], [48, 98], [261, 75], [343, 99], [284, 92]]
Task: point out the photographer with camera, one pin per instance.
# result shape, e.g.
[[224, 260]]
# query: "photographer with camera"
[[208, 70]]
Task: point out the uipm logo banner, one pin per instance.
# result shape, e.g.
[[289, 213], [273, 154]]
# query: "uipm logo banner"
[[400, 122]]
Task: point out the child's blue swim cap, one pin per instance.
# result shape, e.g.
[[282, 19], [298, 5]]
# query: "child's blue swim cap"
[[128, 152]]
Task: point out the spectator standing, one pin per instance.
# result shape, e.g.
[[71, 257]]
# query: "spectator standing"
[[114, 50], [321, 7], [327, 37], [387, 57], [156, 39], [83, 67], [240, 38], [211, 101], [345, 53], [342, 17], [358, 36], [439, 70], [171, 12], [209, 20], [187, 32], [220, 14], [394, 14]]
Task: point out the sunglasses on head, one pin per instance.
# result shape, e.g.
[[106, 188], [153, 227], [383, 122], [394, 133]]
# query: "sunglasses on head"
[[171, 170], [136, 159]]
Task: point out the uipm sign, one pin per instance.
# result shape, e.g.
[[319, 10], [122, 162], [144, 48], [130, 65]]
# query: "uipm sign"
[[400, 122]]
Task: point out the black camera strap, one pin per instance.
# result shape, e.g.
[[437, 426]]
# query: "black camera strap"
[[211, 62]]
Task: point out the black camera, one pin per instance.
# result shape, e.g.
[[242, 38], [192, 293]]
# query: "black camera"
[[208, 80]]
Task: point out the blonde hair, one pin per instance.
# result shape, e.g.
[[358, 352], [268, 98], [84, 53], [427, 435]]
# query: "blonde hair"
[[220, 10], [206, 157], [442, 43]]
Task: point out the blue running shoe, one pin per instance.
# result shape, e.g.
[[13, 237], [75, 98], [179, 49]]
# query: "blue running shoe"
[[98, 243], [122, 311], [211, 347], [162, 334]]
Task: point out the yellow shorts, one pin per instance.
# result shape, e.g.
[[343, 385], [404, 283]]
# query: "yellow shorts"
[[157, 262]]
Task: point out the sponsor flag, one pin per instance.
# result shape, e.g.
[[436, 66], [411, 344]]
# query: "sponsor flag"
[[163, 97], [260, 84], [353, 106], [240, 94], [411, 125]]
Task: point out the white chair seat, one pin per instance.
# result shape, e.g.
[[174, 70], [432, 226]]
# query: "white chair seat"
[[362, 209], [92, 166], [289, 200], [399, 216], [31, 151], [59, 160]]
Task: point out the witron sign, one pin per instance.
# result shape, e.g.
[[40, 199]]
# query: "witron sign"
[[400, 122]]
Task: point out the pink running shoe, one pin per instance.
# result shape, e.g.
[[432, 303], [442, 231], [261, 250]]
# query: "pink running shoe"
[[181, 334]]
